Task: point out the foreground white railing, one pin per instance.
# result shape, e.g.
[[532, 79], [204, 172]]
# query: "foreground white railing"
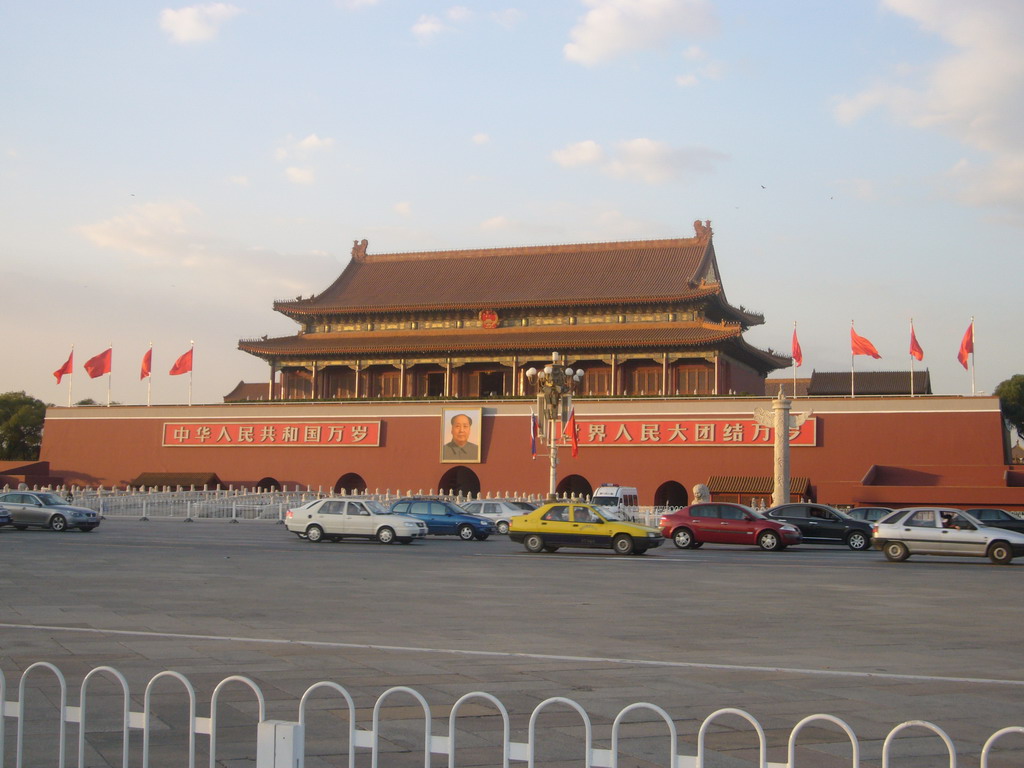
[[280, 743]]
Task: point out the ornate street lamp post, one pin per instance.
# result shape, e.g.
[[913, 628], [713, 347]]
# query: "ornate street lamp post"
[[554, 401]]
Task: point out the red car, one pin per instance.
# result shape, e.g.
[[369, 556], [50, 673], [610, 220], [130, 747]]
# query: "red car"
[[721, 523]]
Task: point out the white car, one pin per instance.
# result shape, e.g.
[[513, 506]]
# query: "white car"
[[501, 511], [943, 531], [337, 519]]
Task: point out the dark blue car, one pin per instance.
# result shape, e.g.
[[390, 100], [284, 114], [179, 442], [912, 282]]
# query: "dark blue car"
[[445, 519]]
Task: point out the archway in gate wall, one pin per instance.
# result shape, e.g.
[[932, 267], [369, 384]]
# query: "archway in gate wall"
[[574, 484], [671, 494], [350, 483], [268, 484], [460, 480]]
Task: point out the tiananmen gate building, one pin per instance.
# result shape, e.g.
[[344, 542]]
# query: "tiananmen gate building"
[[361, 397]]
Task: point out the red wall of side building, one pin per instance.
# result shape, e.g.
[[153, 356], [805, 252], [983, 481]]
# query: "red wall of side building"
[[888, 451]]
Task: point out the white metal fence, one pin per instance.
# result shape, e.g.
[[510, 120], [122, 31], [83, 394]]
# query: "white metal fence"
[[280, 743]]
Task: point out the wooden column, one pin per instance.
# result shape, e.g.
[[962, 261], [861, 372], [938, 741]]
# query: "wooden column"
[[664, 374]]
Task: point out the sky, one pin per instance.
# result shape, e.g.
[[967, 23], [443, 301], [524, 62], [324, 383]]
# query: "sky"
[[168, 171]]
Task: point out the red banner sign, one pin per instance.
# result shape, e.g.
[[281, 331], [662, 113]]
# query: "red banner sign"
[[276, 434], [718, 431]]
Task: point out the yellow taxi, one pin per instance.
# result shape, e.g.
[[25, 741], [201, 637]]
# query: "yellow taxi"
[[569, 524]]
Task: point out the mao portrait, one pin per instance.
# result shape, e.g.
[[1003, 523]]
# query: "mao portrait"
[[460, 435]]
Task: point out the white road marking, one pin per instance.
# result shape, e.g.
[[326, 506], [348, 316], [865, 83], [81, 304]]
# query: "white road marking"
[[536, 656]]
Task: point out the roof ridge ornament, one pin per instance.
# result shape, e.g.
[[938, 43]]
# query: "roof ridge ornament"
[[359, 249], [703, 229]]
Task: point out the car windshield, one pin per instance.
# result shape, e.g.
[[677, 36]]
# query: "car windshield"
[[605, 501], [376, 508], [523, 505], [612, 514], [51, 499]]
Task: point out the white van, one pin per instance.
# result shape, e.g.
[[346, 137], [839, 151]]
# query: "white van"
[[620, 499]]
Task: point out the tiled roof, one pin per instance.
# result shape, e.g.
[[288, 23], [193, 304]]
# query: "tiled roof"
[[869, 383], [249, 392], [772, 385], [574, 338], [755, 484], [642, 271]]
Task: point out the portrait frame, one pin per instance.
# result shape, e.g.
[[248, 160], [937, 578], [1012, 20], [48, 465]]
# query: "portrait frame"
[[450, 452]]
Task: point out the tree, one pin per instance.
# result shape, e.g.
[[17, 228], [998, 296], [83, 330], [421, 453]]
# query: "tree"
[[21, 426], [1011, 400]]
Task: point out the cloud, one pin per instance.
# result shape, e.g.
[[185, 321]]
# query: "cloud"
[[302, 148], [300, 175], [157, 232], [359, 3], [480, 138], [495, 223], [974, 94], [239, 181], [427, 27], [459, 13], [403, 208], [615, 27], [196, 23], [581, 153], [646, 160], [686, 81], [168, 240]]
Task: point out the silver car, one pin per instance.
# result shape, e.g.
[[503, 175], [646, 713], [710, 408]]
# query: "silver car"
[[46, 510], [337, 519], [942, 531], [500, 511]]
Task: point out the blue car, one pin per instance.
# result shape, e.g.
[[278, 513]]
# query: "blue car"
[[443, 518]]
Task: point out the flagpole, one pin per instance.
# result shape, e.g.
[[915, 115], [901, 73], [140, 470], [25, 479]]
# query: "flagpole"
[[191, 349], [110, 372], [71, 375], [852, 358], [973, 355], [912, 359], [149, 378], [794, 362]]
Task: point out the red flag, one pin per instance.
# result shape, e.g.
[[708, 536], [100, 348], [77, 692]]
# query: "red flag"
[[798, 354], [570, 432], [99, 365], [147, 364], [915, 349], [182, 365], [966, 346], [861, 346], [64, 370]]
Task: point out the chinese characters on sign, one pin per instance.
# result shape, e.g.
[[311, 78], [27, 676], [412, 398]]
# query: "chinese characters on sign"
[[278, 434], [719, 432]]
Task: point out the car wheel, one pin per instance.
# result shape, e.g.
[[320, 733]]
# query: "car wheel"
[[315, 533], [58, 523], [386, 535], [769, 540], [1000, 553], [20, 527], [533, 543], [502, 527], [857, 541], [466, 532], [683, 538], [482, 536], [623, 544], [896, 551]]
